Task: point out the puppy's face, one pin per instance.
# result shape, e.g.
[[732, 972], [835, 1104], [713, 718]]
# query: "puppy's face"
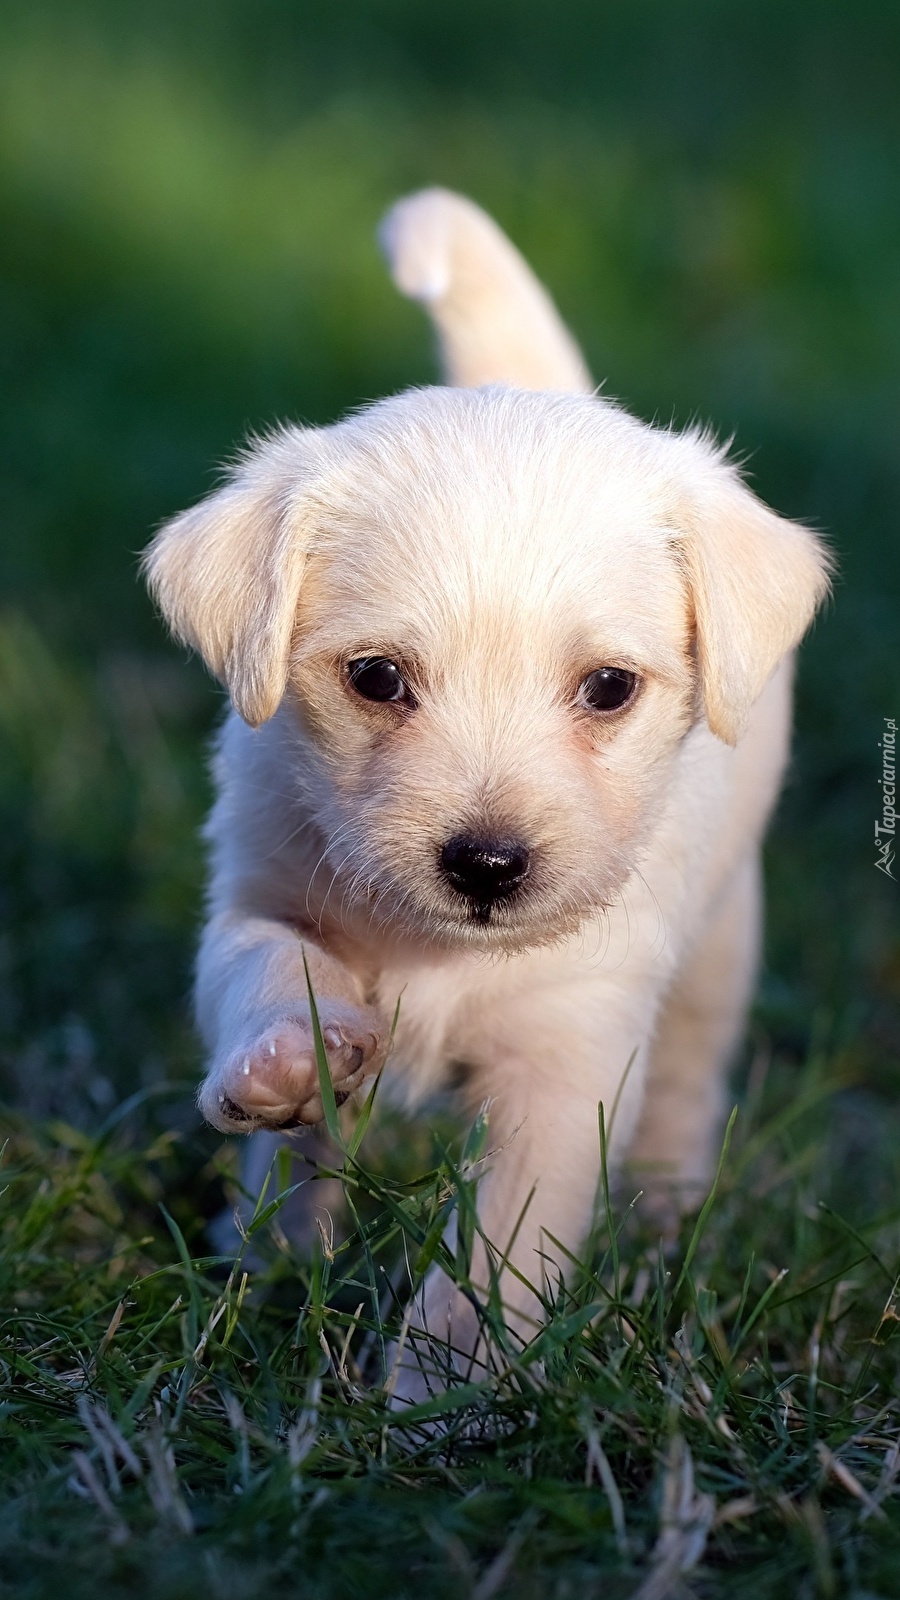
[[493, 661], [495, 615]]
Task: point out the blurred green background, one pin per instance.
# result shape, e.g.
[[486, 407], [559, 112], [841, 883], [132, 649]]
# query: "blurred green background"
[[188, 196]]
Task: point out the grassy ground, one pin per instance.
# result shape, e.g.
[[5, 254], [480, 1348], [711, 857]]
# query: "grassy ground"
[[723, 1417], [187, 200]]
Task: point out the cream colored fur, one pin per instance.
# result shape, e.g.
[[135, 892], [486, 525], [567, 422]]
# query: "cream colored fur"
[[499, 544]]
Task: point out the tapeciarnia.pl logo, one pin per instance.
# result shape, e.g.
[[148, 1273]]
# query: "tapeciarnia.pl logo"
[[887, 827]]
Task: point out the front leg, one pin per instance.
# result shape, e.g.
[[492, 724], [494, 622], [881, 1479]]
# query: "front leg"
[[254, 1013], [553, 1059]]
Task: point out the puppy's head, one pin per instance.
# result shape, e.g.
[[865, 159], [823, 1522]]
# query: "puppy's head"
[[495, 614]]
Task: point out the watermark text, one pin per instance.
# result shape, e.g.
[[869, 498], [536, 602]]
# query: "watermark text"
[[886, 829]]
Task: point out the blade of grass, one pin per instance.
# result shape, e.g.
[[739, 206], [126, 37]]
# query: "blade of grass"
[[612, 1234], [706, 1207], [857, 1237], [362, 1121], [326, 1087]]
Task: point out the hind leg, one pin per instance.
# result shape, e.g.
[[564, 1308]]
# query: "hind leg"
[[674, 1152]]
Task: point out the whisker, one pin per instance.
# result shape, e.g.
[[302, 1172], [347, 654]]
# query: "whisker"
[[330, 843], [294, 834]]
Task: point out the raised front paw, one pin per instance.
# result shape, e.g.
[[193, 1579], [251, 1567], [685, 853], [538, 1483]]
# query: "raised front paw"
[[273, 1082]]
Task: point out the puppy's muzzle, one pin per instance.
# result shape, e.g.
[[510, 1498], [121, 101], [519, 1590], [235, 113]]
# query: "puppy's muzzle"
[[484, 871]]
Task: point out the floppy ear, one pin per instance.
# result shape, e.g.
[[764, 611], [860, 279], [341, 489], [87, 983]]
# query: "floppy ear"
[[756, 581], [226, 575]]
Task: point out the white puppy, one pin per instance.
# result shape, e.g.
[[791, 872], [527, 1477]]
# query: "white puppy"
[[511, 684]]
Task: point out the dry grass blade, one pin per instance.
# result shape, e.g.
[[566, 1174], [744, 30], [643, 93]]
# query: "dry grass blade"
[[162, 1484], [85, 1480], [841, 1474], [494, 1576], [597, 1464], [685, 1521]]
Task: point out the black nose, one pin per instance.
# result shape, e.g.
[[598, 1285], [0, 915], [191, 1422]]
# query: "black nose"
[[484, 869]]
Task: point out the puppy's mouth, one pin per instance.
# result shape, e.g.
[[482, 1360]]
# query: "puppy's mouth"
[[519, 923], [482, 911], [489, 915]]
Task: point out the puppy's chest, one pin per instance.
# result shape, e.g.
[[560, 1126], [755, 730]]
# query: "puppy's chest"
[[425, 1002], [445, 1012]]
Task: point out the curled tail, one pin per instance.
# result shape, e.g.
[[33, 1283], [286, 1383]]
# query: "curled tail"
[[494, 320]]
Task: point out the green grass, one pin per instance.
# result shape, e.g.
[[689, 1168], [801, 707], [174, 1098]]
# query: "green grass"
[[726, 1410], [187, 202]]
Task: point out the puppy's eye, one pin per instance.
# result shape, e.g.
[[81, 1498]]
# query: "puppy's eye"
[[377, 678], [607, 689]]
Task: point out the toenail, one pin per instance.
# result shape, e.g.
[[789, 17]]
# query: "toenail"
[[332, 1038], [246, 1067], [235, 1113]]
